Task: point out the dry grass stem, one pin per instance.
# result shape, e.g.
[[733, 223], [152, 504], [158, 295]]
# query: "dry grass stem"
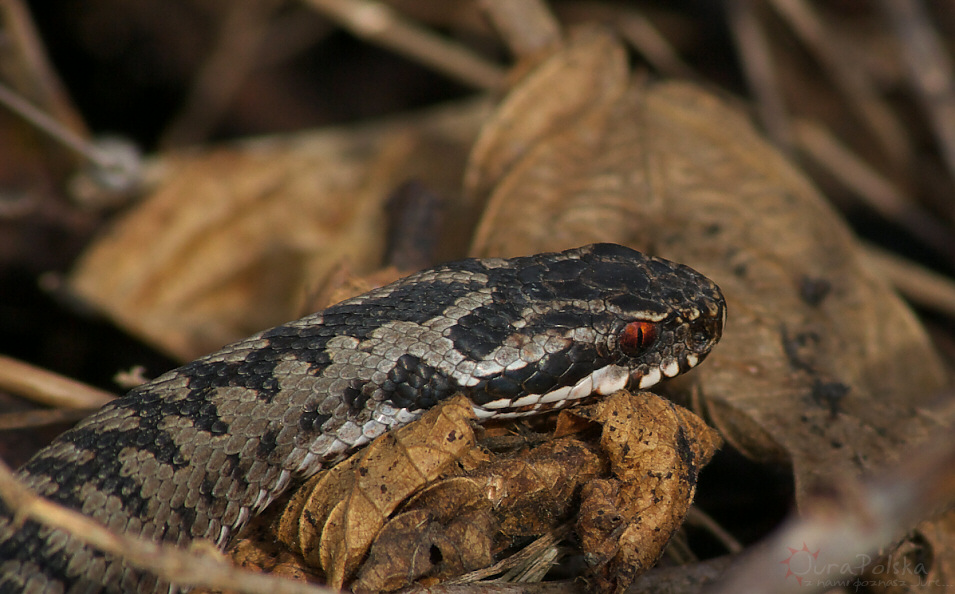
[[829, 153], [48, 388], [379, 24], [918, 284], [930, 70], [243, 28], [526, 26], [853, 82], [756, 58]]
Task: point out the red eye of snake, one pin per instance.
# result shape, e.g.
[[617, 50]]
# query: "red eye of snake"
[[636, 337]]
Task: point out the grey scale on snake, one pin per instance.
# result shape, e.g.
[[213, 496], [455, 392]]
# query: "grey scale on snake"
[[196, 452]]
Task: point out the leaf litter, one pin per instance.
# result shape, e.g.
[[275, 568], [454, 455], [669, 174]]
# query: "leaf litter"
[[424, 503], [822, 368]]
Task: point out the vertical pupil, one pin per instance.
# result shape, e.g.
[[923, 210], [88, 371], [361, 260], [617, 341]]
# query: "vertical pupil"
[[637, 337]]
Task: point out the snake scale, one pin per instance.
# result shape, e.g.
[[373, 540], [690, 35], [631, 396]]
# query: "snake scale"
[[197, 451]]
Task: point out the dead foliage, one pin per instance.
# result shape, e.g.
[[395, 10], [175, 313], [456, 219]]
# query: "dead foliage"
[[608, 125]]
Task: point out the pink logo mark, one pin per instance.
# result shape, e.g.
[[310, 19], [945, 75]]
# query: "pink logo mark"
[[803, 558]]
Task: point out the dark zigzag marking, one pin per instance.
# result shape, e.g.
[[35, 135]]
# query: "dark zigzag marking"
[[415, 385], [256, 371], [108, 445], [25, 545], [477, 334], [418, 303]]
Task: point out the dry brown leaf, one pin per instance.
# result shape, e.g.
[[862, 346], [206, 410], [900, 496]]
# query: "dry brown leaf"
[[232, 239], [557, 158], [449, 528], [417, 543], [921, 564], [454, 530], [525, 493], [303, 518], [484, 504], [450, 496], [263, 552], [334, 519], [342, 283], [656, 452], [532, 492], [555, 94], [444, 530], [821, 365]]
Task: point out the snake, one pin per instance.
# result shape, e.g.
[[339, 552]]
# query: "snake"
[[193, 454]]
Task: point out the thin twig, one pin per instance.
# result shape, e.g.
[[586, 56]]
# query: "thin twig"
[[115, 163], [930, 69], [39, 82], [853, 82], [826, 152], [186, 568], [42, 417], [918, 284], [227, 66], [757, 59], [47, 387], [699, 518], [527, 26], [49, 108], [656, 49], [378, 23], [53, 127]]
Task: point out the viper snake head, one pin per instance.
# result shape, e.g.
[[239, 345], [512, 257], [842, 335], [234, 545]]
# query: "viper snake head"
[[595, 320]]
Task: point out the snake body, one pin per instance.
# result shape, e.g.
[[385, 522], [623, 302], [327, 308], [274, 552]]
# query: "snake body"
[[194, 453]]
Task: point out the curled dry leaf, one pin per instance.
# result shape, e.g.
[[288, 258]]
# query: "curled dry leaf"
[[929, 544], [460, 521], [656, 452], [258, 549], [535, 491], [231, 239], [418, 543], [342, 284], [821, 365], [564, 90], [649, 454], [445, 530], [343, 510]]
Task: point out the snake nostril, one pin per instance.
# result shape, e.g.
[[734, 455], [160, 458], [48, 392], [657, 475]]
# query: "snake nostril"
[[703, 333]]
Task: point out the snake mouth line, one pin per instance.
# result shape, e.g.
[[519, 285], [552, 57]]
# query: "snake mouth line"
[[667, 369], [602, 382]]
